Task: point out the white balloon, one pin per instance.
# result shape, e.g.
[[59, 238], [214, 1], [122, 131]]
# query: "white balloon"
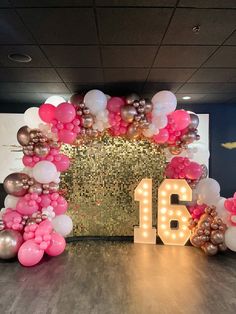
[[230, 238], [11, 201], [32, 118], [151, 130], [44, 171], [199, 152], [95, 100], [160, 121], [208, 191], [164, 102], [62, 224], [28, 170], [54, 100], [221, 211]]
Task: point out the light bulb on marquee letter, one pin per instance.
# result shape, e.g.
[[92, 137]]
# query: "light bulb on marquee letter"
[[168, 212], [145, 233]]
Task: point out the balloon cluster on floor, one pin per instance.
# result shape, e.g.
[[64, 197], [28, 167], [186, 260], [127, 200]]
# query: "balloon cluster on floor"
[[34, 223]]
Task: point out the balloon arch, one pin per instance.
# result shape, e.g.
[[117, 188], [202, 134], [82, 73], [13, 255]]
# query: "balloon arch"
[[34, 222]]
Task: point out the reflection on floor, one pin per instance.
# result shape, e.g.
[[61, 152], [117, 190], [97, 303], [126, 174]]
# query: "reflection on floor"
[[119, 278]]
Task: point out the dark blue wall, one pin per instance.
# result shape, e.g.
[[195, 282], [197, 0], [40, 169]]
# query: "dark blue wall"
[[222, 129]]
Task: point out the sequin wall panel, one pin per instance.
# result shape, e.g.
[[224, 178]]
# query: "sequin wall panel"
[[101, 181]]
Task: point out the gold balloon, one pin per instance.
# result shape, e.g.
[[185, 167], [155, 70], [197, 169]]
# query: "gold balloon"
[[128, 113], [10, 242], [87, 121], [13, 184], [133, 132], [189, 137], [194, 121], [23, 136], [131, 98], [41, 149], [175, 150], [148, 106], [222, 247], [36, 188], [210, 249], [76, 99], [217, 237]]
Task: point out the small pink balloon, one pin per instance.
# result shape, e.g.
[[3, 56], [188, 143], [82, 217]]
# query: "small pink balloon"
[[47, 112], [30, 253], [115, 103], [61, 207], [161, 137], [67, 136], [65, 112], [63, 163], [45, 227], [181, 118], [25, 207], [193, 171], [45, 200], [57, 245]]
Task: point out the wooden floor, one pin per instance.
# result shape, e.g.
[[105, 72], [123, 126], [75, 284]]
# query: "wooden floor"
[[119, 278]]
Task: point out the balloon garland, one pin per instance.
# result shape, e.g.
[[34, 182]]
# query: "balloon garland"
[[34, 220]]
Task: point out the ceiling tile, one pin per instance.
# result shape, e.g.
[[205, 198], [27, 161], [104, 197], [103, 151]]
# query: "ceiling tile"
[[61, 25], [78, 87], [132, 25], [182, 56], [122, 88], [170, 75], [208, 88], [51, 3], [208, 3], [19, 87], [12, 30], [224, 57], [28, 75], [128, 56], [38, 58], [232, 39], [136, 3], [154, 87], [73, 56], [214, 75], [81, 75], [5, 4], [125, 75], [203, 99], [215, 26]]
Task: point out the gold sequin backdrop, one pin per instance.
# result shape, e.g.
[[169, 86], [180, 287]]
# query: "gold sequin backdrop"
[[101, 180]]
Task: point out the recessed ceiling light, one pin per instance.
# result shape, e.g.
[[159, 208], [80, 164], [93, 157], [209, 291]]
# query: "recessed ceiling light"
[[19, 57], [186, 97]]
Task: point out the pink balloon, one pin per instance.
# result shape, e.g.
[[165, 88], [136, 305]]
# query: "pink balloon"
[[30, 253], [61, 206], [161, 137], [63, 163], [65, 112], [67, 136], [25, 207], [57, 245], [181, 118], [114, 104], [47, 112], [45, 227], [193, 171], [45, 200]]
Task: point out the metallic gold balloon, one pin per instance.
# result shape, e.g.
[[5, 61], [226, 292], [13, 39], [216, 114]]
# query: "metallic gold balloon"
[[87, 121], [13, 184], [222, 247], [133, 132], [194, 121], [41, 149], [175, 150], [189, 137], [128, 113], [217, 237], [204, 171], [36, 188], [10, 242], [148, 106], [210, 249], [131, 98], [196, 241], [23, 136], [76, 99], [53, 187]]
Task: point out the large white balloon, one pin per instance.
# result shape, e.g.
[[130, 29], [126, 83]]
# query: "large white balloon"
[[230, 238], [198, 152], [32, 118], [54, 100], [221, 211], [44, 171], [95, 100], [151, 130], [62, 224], [208, 191], [164, 102], [160, 121], [11, 201]]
